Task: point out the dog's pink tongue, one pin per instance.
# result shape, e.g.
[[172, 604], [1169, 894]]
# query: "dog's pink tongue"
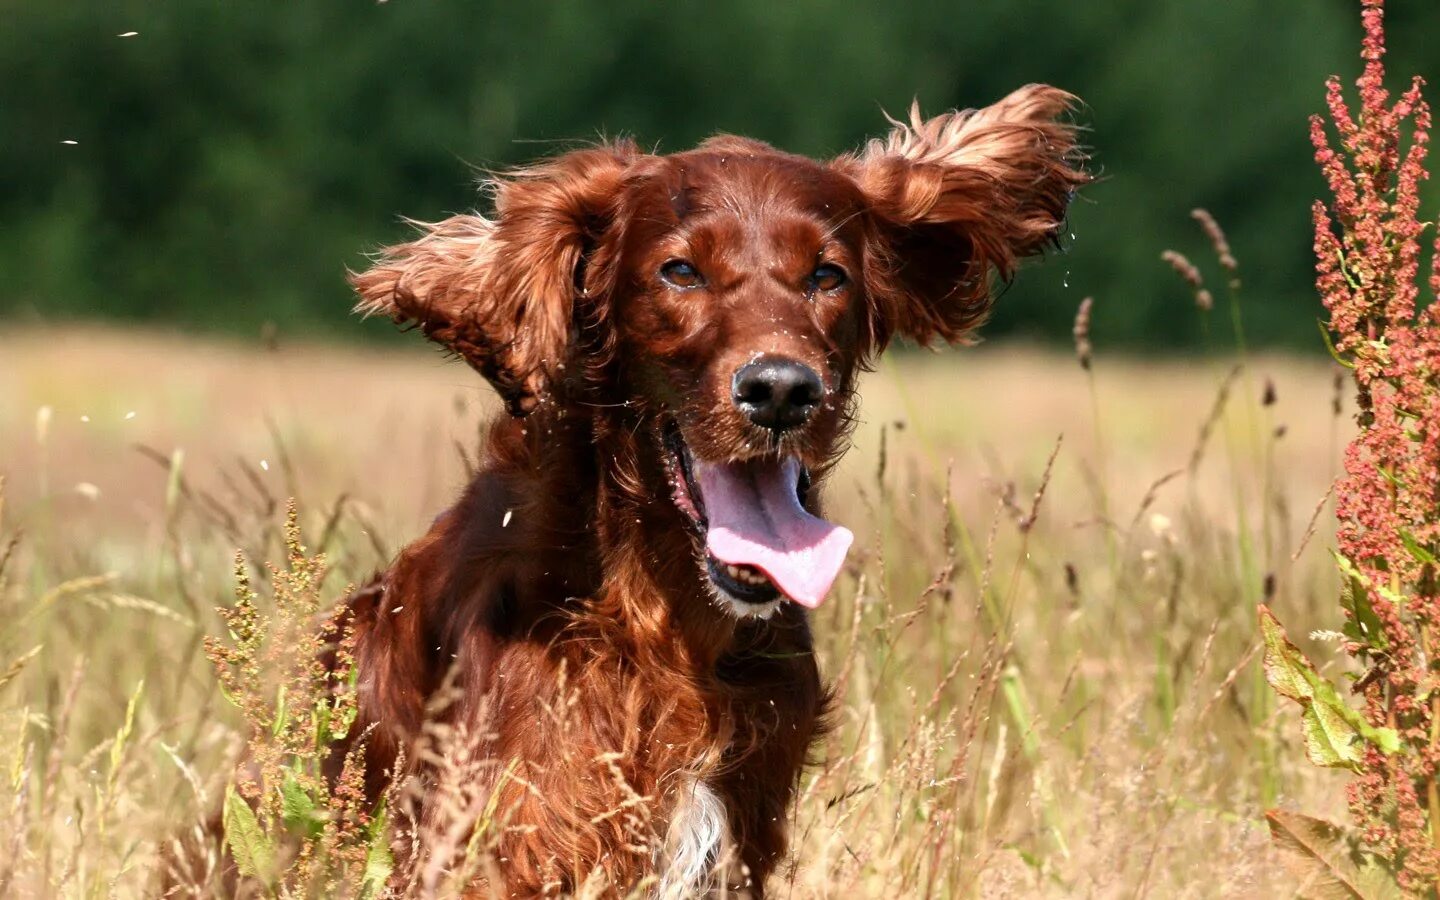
[[756, 519]]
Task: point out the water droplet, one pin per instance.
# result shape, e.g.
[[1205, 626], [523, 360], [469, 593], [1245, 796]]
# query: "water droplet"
[[1067, 278]]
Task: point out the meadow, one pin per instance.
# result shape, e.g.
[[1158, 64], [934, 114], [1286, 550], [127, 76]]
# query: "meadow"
[[1045, 649]]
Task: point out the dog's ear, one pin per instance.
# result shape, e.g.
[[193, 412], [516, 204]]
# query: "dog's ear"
[[958, 199], [501, 292]]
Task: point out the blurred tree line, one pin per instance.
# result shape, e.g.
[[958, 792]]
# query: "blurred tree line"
[[232, 159]]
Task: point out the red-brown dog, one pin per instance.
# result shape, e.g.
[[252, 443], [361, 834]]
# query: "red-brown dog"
[[677, 340]]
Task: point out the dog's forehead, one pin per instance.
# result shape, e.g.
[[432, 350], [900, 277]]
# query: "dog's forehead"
[[751, 180]]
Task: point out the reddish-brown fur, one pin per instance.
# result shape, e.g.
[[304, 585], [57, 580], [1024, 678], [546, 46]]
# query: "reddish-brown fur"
[[563, 587]]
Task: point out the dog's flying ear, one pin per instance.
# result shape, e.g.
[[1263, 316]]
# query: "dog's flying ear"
[[502, 292], [956, 198]]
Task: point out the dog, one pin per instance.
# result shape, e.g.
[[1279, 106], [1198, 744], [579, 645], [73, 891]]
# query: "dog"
[[676, 339]]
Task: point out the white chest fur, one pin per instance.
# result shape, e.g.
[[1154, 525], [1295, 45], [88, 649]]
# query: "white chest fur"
[[697, 835]]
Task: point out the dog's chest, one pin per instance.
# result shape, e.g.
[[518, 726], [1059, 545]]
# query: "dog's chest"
[[697, 835]]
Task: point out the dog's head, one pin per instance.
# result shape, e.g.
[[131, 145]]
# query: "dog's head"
[[725, 298]]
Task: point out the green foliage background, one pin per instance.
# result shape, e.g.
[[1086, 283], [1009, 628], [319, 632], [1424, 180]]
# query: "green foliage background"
[[233, 158]]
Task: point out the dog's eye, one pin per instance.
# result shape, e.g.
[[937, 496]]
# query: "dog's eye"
[[826, 277], [681, 274]]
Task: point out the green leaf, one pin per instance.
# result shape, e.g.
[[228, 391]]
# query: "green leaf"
[[1326, 860], [322, 724], [379, 861], [298, 808], [1345, 270], [1284, 663], [1421, 553], [254, 853], [229, 697], [1330, 345], [1350, 570], [1333, 731], [281, 712], [342, 717], [1362, 625], [1328, 740]]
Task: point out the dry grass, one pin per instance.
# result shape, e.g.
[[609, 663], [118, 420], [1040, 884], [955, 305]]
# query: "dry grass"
[[1039, 695]]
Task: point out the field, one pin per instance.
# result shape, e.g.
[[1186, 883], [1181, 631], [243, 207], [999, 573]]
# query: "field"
[[1039, 695]]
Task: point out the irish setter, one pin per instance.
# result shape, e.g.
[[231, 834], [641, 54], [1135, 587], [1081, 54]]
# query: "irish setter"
[[676, 340]]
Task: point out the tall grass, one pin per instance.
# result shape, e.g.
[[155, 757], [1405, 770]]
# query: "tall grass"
[[1044, 667]]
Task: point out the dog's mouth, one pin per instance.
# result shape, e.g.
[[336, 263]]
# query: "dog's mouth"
[[760, 542]]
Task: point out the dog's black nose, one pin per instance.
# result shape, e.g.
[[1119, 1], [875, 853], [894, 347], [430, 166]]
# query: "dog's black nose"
[[777, 393]]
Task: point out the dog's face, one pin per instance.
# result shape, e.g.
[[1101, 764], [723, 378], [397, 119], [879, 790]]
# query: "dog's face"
[[724, 299], [739, 316], [740, 303]]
